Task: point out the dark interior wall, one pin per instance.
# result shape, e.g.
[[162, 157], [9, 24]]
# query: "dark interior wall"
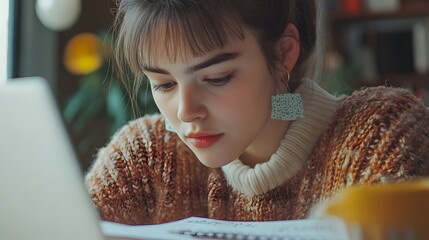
[[35, 47], [96, 15], [38, 51]]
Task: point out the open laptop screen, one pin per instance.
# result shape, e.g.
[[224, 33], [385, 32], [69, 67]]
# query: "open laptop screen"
[[42, 195]]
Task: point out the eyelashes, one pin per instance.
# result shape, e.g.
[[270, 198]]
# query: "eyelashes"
[[163, 87], [216, 82], [220, 81]]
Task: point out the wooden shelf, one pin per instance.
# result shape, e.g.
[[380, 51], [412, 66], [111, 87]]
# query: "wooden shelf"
[[411, 11], [339, 23], [413, 80]]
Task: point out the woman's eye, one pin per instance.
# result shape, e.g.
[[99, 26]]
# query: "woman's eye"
[[163, 87], [220, 81]]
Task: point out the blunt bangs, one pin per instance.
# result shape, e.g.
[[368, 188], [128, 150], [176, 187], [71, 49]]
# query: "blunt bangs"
[[160, 32]]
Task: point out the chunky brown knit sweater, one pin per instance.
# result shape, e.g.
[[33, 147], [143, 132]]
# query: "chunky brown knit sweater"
[[147, 175]]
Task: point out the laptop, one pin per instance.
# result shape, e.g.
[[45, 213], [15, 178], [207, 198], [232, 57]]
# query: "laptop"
[[42, 195]]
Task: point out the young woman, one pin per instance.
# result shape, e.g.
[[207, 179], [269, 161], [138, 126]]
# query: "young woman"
[[250, 136]]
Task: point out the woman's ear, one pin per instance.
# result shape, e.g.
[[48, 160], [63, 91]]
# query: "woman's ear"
[[288, 48]]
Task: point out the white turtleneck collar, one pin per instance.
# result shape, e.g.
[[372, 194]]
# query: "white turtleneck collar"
[[295, 148]]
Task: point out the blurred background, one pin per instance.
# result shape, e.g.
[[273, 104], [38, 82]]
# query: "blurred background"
[[68, 42]]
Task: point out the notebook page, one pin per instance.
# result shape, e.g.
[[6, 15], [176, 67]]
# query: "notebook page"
[[204, 228]]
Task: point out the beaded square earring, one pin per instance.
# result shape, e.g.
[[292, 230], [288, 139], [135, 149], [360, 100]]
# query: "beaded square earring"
[[287, 106]]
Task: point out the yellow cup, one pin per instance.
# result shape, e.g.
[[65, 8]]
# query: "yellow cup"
[[384, 211]]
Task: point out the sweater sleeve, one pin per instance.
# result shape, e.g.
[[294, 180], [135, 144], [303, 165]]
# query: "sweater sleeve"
[[136, 179], [380, 134]]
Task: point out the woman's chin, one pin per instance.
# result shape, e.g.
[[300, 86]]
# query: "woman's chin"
[[213, 162]]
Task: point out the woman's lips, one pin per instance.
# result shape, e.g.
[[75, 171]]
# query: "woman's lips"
[[203, 141]]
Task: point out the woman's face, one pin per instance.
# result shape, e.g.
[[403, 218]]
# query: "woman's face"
[[217, 103]]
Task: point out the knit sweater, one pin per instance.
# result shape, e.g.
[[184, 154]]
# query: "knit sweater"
[[148, 175]]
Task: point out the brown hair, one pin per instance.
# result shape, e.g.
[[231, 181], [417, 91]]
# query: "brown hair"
[[148, 29]]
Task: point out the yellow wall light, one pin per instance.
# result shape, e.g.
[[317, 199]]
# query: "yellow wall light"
[[83, 54]]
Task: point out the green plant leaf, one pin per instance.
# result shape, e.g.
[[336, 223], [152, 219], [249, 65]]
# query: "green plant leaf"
[[116, 107]]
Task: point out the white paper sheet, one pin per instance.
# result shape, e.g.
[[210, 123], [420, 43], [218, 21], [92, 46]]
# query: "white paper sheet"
[[314, 229]]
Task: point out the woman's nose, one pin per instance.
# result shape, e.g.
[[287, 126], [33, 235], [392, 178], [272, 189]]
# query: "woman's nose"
[[191, 107]]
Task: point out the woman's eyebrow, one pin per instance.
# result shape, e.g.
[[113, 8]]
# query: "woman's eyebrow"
[[155, 70], [222, 57]]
